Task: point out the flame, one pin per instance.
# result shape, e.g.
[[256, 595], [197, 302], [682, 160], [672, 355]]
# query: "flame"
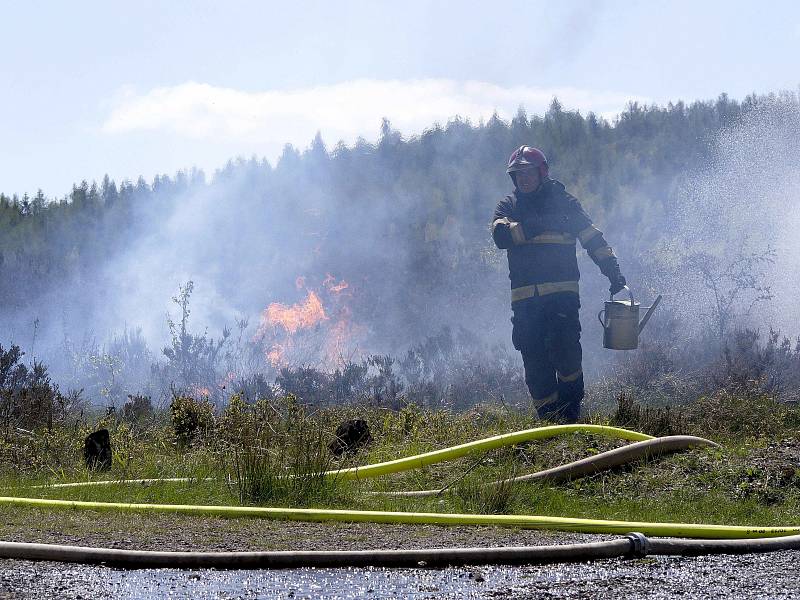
[[339, 337], [295, 317], [200, 392], [310, 330], [334, 288]]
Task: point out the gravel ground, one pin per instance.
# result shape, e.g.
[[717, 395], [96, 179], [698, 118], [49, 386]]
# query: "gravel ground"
[[749, 576]]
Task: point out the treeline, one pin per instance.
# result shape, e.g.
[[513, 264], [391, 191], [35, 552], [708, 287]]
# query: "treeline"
[[403, 221], [442, 182]]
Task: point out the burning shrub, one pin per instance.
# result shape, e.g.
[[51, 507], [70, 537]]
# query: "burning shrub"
[[317, 329], [372, 379]]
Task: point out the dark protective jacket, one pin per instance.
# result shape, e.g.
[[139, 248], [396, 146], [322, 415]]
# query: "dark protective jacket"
[[539, 231]]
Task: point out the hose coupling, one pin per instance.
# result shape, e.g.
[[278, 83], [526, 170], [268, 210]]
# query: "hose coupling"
[[640, 545]]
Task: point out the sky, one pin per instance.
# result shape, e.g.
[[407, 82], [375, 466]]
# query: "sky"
[[128, 89]]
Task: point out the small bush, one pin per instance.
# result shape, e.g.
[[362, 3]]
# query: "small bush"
[[137, 409], [473, 495], [277, 452], [28, 397], [191, 419], [744, 412]]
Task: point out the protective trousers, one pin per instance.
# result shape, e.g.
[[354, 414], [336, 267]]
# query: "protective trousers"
[[547, 331]]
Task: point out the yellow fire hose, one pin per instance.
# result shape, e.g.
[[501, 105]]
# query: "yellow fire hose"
[[734, 538], [688, 530], [492, 443], [436, 456]]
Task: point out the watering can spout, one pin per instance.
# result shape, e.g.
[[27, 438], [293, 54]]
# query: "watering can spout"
[[649, 312]]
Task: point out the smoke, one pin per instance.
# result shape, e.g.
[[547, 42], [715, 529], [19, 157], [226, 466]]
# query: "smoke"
[[245, 240], [386, 261]]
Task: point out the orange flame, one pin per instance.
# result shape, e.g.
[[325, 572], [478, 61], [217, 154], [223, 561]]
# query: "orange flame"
[[309, 330], [295, 317], [334, 288]]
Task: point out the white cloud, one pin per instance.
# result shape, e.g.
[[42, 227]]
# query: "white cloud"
[[344, 111]]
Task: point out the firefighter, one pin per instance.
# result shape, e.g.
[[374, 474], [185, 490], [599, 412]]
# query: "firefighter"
[[538, 225]]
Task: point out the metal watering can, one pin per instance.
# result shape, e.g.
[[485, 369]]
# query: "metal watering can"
[[621, 326]]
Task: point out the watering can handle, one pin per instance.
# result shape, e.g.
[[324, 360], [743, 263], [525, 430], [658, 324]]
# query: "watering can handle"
[[599, 318], [630, 293]]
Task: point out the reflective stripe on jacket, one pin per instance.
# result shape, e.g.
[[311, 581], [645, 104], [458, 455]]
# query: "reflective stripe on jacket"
[[543, 289], [539, 232]]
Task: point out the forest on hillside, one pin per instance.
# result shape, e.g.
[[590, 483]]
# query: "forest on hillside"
[[392, 241]]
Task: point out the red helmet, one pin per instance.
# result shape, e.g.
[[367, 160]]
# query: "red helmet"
[[526, 156]]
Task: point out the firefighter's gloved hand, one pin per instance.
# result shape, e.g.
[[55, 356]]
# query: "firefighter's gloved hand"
[[617, 283]]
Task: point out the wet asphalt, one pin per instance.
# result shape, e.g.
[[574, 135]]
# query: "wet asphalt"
[[771, 575]]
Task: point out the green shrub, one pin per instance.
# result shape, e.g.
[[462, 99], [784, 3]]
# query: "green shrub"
[[277, 452], [493, 495], [191, 419]]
